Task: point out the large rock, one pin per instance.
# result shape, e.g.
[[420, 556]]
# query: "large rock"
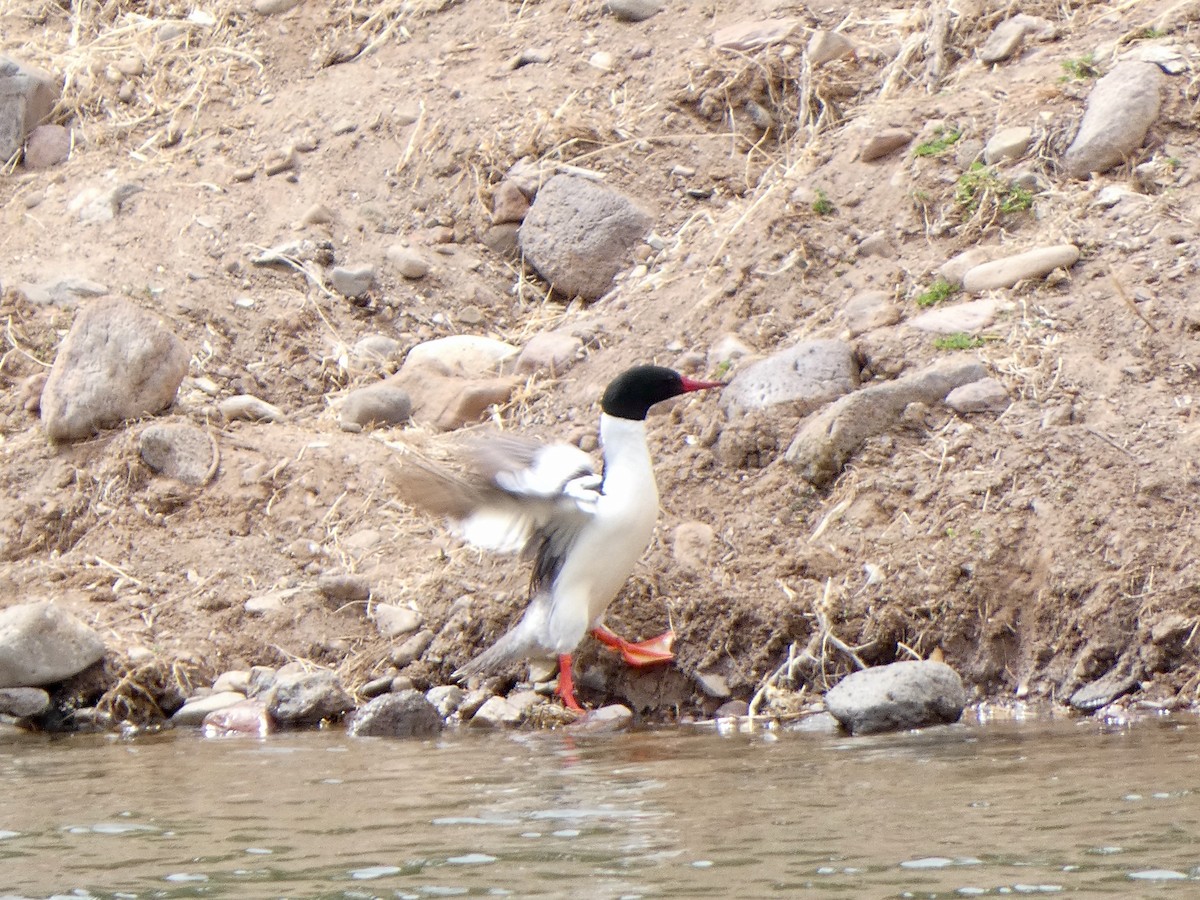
[[40, 644], [913, 694], [305, 698], [827, 440], [802, 377], [578, 235], [461, 354], [117, 362], [446, 401], [376, 404], [406, 714], [48, 146], [1120, 110], [27, 97]]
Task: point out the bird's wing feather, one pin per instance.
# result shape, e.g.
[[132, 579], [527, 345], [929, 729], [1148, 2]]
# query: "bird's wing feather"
[[518, 494]]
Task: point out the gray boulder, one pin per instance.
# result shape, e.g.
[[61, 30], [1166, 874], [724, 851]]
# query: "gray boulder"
[[903, 695], [305, 698], [827, 440], [376, 404], [23, 702], [117, 362], [27, 97], [1120, 110], [803, 377], [578, 235], [40, 644], [406, 714]]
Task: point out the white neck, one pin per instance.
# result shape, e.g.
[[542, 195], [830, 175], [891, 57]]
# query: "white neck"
[[626, 456]]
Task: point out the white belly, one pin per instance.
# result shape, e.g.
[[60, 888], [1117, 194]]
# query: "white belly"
[[606, 551]]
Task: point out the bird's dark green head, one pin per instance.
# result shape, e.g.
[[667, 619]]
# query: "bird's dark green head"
[[631, 394]]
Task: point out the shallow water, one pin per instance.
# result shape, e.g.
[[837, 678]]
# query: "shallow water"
[[971, 810]]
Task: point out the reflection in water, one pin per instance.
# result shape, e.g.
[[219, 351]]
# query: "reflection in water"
[[1006, 809]]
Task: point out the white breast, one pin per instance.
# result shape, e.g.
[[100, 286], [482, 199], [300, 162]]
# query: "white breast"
[[607, 549]]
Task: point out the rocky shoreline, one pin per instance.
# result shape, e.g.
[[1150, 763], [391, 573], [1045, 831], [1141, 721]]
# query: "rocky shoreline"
[[944, 259]]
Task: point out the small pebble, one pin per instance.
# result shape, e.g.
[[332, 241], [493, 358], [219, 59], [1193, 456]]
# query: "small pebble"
[[407, 262]]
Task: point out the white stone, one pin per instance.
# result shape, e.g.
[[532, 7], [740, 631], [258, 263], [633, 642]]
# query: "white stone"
[[497, 712], [744, 36], [953, 269], [826, 46], [192, 713], [466, 353], [1006, 272], [1007, 144], [961, 317], [247, 406]]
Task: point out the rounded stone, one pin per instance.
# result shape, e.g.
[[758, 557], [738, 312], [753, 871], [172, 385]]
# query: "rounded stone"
[[48, 146], [180, 451], [379, 404]]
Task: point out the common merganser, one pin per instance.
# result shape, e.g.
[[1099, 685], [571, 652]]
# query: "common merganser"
[[584, 530]]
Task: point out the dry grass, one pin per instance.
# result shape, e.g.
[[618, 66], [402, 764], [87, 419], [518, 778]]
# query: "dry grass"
[[137, 689], [137, 71]]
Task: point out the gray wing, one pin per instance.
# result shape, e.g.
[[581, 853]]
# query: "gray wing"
[[516, 494]]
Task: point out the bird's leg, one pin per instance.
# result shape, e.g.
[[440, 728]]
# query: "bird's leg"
[[645, 653], [566, 683]]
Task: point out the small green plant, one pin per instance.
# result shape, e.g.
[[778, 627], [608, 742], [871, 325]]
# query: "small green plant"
[[822, 206], [943, 140], [937, 293], [723, 368], [960, 340], [1149, 33], [981, 187], [1080, 69]]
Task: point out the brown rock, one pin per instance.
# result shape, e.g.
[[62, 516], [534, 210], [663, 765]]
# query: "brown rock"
[[508, 204], [884, 142], [48, 146], [448, 402]]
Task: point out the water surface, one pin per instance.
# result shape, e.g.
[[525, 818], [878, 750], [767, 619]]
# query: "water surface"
[[1004, 809]]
